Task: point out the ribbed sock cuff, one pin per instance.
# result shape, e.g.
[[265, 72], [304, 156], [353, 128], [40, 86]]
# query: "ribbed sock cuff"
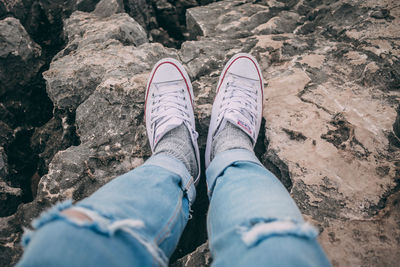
[[230, 137], [177, 143]]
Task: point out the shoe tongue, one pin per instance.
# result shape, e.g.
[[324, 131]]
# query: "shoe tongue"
[[166, 127], [168, 87], [240, 121]]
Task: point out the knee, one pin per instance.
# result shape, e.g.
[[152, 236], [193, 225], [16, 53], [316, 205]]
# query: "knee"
[[272, 242], [283, 243], [49, 247], [76, 215], [289, 250]]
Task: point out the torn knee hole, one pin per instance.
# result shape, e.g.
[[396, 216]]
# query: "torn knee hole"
[[256, 231], [76, 215], [105, 224], [86, 217]]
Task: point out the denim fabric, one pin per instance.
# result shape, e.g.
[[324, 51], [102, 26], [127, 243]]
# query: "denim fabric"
[[252, 220], [137, 219]]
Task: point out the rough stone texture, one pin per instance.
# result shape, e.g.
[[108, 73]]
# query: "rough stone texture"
[[3, 163], [230, 19], [20, 62], [20, 57], [200, 257], [163, 19], [43, 19], [331, 129], [57, 134], [9, 196], [106, 8], [77, 70], [330, 105], [102, 74]]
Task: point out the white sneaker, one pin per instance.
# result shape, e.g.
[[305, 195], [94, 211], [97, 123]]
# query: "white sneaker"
[[169, 103], [239, 99]]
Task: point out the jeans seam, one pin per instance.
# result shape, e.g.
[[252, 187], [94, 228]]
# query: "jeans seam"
[[189, 184], [164, 232]]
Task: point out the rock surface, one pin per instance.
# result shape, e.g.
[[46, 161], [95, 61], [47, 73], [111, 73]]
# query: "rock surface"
[[331, 130], [20, 62], [20, 57]]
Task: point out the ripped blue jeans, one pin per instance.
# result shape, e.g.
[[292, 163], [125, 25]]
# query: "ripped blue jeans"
[[137, 219]]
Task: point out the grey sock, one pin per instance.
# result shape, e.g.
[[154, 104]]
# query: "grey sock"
[[229, 138], [178, 144]]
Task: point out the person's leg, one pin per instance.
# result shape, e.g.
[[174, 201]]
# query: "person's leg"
[[137, 218], [252, 219]]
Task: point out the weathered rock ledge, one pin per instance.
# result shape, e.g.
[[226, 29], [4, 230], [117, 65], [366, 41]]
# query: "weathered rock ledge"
[[331, 131]]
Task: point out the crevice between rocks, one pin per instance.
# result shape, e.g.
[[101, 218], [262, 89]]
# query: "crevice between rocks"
[[28, 114], [36, 132], [24, 109], [164, 20], [394, 147], [270, 159], [383, 201]]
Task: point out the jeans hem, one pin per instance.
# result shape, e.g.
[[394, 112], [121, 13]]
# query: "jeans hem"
[[225, 159], [174, 165]]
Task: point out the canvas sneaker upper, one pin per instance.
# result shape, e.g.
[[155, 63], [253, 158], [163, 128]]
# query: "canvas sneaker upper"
[[169, 103], [238, 100]]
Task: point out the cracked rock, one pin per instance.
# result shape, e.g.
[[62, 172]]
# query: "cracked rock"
[[331, 118], [95, 46], [20, 57]]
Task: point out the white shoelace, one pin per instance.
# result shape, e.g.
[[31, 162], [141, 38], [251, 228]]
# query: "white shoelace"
[[240, 97], [169, 102]]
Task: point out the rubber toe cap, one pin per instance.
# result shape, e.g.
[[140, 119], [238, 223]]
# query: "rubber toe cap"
[[245, 67], [167, 71]]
